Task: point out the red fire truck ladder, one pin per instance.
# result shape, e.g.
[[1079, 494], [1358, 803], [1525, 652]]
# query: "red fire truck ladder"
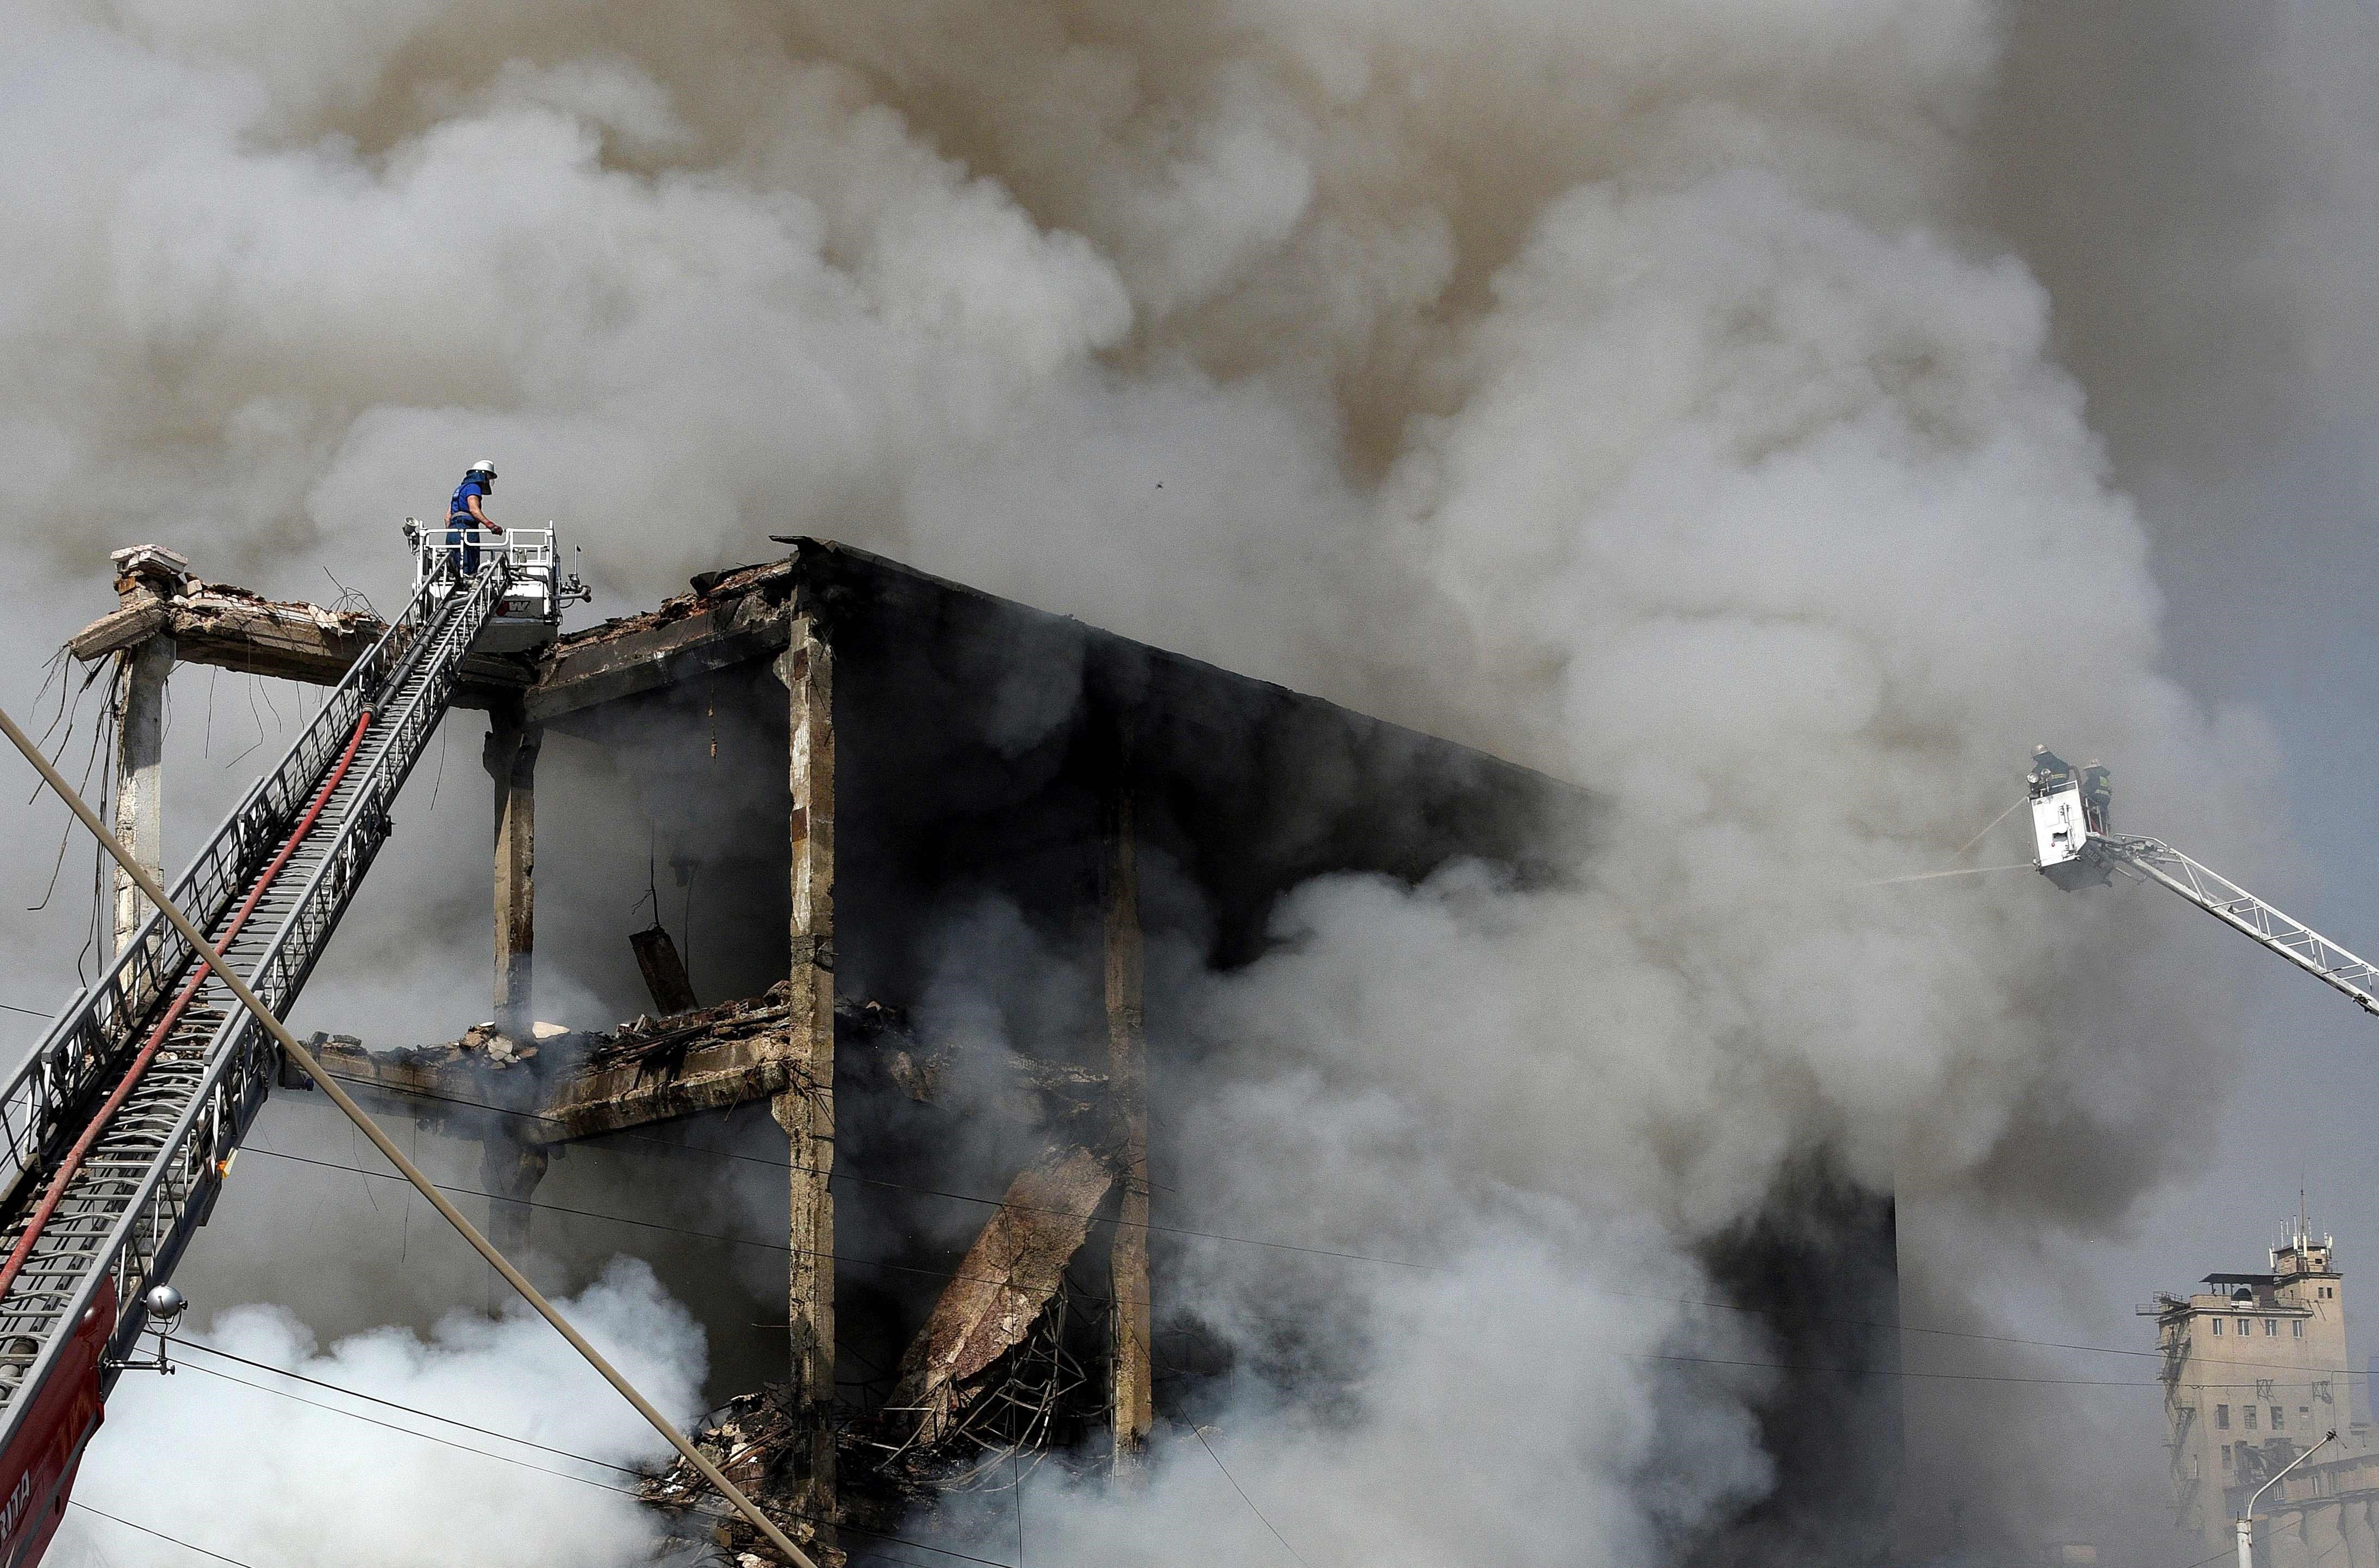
[[116, 1133]]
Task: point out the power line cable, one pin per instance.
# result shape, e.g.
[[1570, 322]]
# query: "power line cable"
[[429, 1437], [1251, 1501], [896, 1186], [390, 1404], [186, 1546], [978, 1279], [1166, 1230], [948, 1275], [465, 1448]]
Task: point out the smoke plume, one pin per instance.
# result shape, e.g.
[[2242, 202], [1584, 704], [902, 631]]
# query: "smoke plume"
[[1641, 391], [293, 1475]]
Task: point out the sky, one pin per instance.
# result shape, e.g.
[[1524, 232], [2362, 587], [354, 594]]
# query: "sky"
[[1776, 418]]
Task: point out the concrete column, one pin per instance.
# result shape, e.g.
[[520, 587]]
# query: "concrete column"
[[510, 1168], [1132, 1403], [140, 775], [805, 1110], [509, 758]]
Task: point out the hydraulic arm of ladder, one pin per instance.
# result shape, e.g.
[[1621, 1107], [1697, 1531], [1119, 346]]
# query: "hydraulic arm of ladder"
[[116, 1132], [2241, 910]]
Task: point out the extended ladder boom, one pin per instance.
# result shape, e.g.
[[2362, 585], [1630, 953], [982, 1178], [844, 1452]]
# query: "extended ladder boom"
[[116, 1132], [2076, 848], [2241, 910]]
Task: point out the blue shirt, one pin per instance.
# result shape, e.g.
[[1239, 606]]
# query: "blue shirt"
[[461, 505]]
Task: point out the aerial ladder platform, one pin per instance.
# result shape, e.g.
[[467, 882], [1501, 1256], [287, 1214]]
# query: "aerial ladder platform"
[[2076, 845], [116, 1133]]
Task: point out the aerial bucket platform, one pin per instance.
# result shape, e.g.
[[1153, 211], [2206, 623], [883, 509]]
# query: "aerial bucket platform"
[[2070, 806], [529, 614]]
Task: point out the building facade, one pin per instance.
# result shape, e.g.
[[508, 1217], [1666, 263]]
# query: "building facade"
[[2255, 1373]]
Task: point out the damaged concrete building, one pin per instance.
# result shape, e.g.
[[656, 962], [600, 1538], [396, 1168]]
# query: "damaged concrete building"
[[845, 755]]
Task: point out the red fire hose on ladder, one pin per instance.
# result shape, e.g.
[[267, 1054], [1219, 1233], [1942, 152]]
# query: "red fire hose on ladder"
[[157, 1037]]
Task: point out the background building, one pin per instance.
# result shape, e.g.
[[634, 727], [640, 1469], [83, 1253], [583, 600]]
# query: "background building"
[[2255, 1373]]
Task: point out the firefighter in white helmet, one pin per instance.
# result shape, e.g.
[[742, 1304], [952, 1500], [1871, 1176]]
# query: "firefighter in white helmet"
[[468, 511]]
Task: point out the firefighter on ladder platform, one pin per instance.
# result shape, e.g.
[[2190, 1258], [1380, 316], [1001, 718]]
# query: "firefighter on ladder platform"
[[467, 512]]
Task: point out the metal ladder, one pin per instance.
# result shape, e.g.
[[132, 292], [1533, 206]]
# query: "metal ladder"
[[151, 1174]]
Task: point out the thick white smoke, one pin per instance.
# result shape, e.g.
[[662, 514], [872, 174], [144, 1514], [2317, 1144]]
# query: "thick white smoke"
[[1624, 387], [267, 1474]]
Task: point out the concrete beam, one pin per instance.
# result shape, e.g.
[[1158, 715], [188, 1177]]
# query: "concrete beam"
[[455, 1074], [588, 676], [734, 617], [732, 1054], [708, 1078], [233, 629], [140, 774]]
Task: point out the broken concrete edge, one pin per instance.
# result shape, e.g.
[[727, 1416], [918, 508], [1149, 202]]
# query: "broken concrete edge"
[[153, 600], [570, 1084], [729, 617], [732, 617], [1006, 1281]]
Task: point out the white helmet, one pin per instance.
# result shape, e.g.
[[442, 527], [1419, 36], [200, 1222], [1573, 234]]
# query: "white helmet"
[[485, 465]]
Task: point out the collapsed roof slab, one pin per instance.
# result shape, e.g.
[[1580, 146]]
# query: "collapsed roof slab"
[[999, 1290]]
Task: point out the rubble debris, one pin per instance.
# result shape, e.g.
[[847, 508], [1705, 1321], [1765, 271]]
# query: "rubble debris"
[[664, 970], [744, 593], [732, 617], [754, 1440], [658, 1047], [1008, 1279]]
